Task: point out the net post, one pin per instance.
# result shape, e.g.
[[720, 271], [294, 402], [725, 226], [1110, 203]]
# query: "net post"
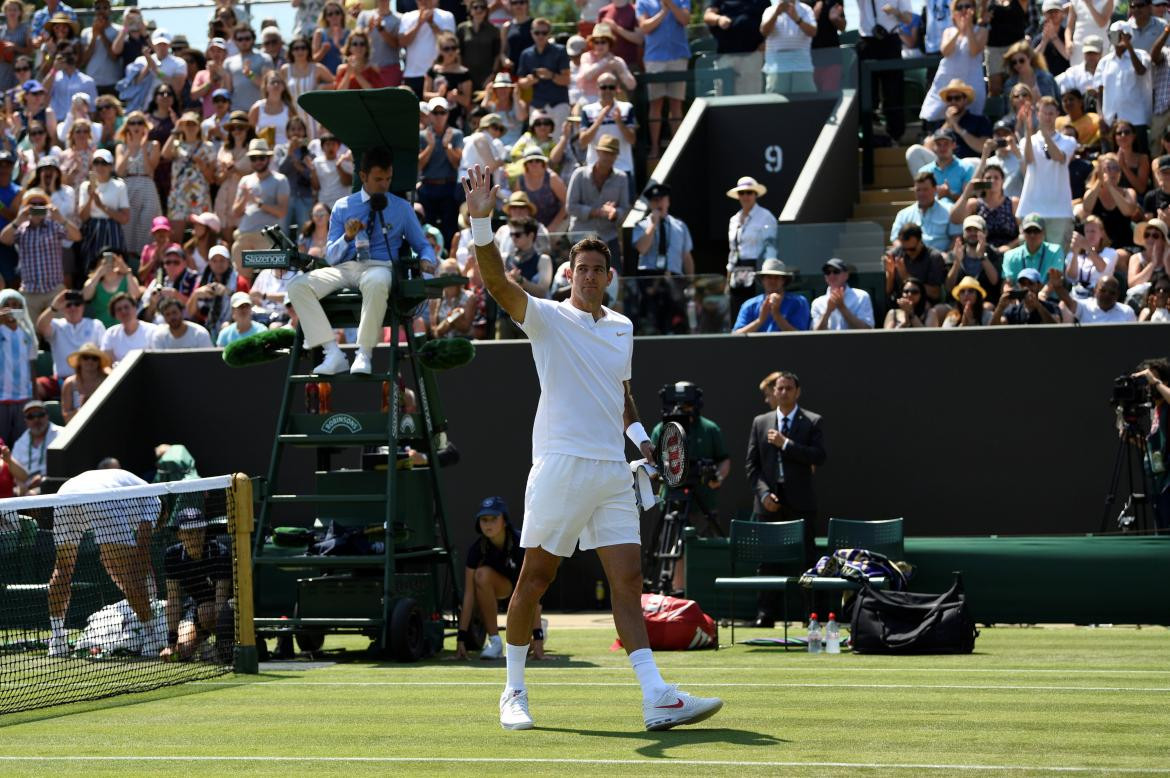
[[247, 660]]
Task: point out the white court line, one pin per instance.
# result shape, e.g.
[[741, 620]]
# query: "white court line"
[[659, 763], [703, 684]]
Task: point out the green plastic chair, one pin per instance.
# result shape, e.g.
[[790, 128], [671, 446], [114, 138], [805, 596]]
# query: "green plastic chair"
[[53, 408], [884, 537], [754, 543]]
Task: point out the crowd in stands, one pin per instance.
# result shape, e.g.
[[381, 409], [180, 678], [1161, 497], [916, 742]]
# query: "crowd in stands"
[[135, 169]]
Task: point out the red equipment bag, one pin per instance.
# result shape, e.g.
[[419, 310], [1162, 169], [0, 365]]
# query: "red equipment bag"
[[674, 624]]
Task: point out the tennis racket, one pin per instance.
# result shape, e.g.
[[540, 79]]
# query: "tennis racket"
[[672, 453]]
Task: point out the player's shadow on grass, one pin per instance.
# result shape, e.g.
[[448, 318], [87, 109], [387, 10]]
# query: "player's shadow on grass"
[[660, 742]]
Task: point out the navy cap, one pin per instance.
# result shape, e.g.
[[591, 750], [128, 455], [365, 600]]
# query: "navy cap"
[[221, 93], [657, 190], [6, 156], [835, 264], [492, 506]]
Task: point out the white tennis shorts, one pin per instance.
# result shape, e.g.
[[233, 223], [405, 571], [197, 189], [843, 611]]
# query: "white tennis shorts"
[[114, 521], [569, 499]]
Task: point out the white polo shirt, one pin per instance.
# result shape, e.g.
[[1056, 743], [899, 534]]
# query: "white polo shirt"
[[118, 343], [421, 52], [1124, 93], [581, 364], [67, 338], [856, 300], [31, 455], [1089, 312]]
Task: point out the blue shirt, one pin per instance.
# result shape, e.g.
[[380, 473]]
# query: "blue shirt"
[[669, 39], [678, 241], [43, 15], [955, 175], [1047, 257], [231, 333], [7, 195], [63, 88], [400, 222], [937, 230], [793, 307], [545, 92]]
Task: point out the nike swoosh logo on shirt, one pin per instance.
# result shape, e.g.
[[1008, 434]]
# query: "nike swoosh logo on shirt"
[[677, 704], [619, 334]]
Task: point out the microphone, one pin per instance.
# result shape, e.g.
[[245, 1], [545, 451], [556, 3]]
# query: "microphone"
[[378, 202]]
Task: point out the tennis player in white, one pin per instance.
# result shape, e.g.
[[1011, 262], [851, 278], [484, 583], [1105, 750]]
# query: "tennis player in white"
[[122, 531], [580, 488]]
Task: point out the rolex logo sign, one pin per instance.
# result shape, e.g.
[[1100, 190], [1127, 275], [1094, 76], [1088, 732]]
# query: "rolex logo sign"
[[341, 422]]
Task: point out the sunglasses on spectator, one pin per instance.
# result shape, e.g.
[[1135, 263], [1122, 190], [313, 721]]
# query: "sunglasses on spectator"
[[541, 33], [361, 44], [72, 304], [88, 357], [964, 7], [139, 122], [104, 106], [172, 261], [956, 98], [328, 13], [164, 93], [244, 38], [517, 235], [272, 42], [35, 133], [910, 290], [543, 123], [833, 271], [1153, 235], [448, 48], [607, 87], [301, 47], [518, 2], [1033, 229], [1019, 60], [22, 68], [479, 7], [1123, 131], [35, 416]]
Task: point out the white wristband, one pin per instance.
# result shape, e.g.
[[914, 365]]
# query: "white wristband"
[[481, 230], [637, 433]]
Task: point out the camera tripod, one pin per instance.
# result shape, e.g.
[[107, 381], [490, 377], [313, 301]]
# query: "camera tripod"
[[1135, 515], [663, 556]]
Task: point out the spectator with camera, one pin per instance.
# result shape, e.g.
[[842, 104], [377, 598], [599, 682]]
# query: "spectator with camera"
[[841, 307], [1156, 202], [173, 281], [177, 333], [751, 239], [1024, 305], [984, 196], [1085, 76], [1126, 82], [66, 328], [38, 232], [1089, 258], [911, 258], [1157, 305], [1104, 307], [928, 212], [776, 310], [210, 303], [784, 447], [973, 257]]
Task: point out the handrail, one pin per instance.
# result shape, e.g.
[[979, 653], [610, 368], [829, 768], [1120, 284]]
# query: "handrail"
[[866, 69]]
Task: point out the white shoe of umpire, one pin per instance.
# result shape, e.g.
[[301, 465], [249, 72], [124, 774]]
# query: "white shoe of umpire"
[[494, 648], [514, 709], [675, 707], [155, 641], [58, 646], [333, 364], [361, 364]]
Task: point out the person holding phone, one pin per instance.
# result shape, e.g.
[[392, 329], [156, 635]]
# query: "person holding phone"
[[111, 277], [984, 196], [210, 303], [1022, 304]]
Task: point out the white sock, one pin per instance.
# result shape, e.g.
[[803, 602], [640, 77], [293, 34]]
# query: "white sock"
[[365, 352], [515, 655], [332, 348], [58, 626], [649, 678]]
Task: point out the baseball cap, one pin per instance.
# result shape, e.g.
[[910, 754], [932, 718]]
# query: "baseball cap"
[[1121, 27], [1003, 125], [1029, 274], [835, 264], [656, 190], [32, 85], [6, 156], [225, 94], [34, 403], [1093, 44], [190, 518], [161, 36], [160, 223], [1052, 5], [217, 43], [103, 155], [943, 134], [976, 221], [74, 297], [241, 298], [1163, 161], [492, 506], [219, 251], [436, 103], [1032, 220], [174, 248]]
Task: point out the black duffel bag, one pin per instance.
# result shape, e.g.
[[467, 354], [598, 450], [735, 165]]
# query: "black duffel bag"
[[909, 623]]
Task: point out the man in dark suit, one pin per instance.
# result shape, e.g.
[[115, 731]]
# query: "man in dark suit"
[[784, 447]]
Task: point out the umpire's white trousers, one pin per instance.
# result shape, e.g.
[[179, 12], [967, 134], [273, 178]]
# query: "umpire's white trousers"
[[374, 279]]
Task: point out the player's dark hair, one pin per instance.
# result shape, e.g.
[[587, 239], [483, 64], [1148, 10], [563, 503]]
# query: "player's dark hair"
[[921, 177], [119, 297], [589, 244], [377, 157], [790, 376]]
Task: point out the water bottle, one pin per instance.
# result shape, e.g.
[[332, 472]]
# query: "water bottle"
[[832, 636], [361, 244], [814, 634]]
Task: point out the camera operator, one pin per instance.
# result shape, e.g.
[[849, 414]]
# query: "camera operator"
[[783, 448], [708, 458], [1157, 373]]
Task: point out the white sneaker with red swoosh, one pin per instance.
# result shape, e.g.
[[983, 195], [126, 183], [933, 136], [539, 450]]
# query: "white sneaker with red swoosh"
[[676, 707]]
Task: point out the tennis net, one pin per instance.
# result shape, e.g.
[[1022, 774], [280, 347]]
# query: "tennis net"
[[122, 590]]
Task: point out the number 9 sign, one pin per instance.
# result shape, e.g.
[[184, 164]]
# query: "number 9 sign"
[[773, 159]]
